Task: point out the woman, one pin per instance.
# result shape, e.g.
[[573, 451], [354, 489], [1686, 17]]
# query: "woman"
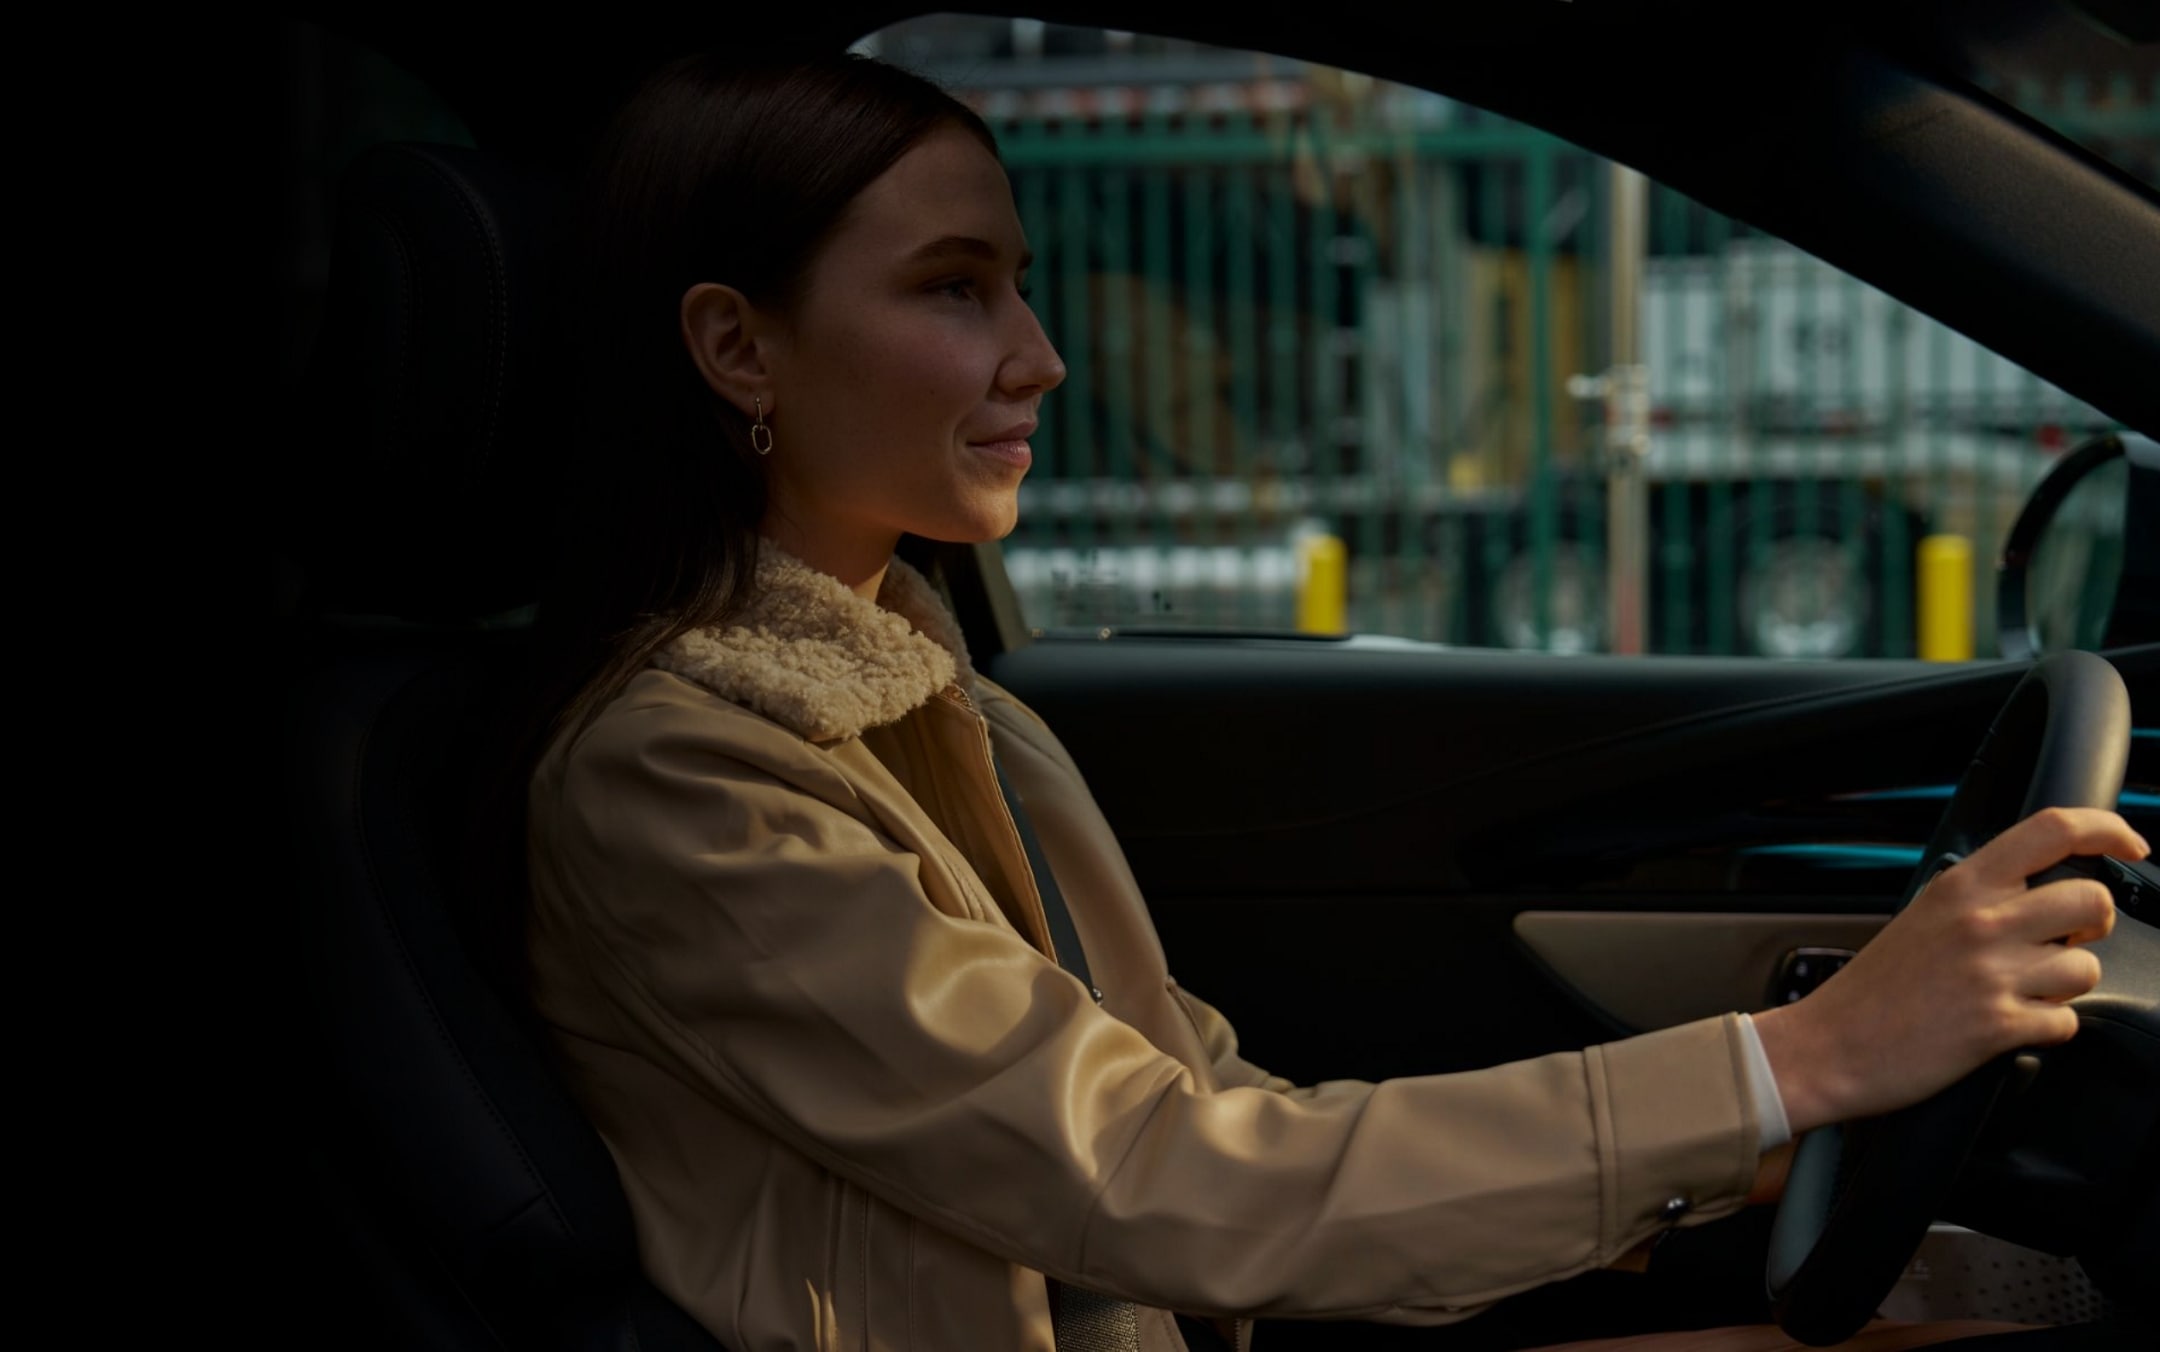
[[785, 928]]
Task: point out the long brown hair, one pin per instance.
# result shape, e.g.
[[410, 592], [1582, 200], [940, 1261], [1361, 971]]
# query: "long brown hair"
[[714, 171]]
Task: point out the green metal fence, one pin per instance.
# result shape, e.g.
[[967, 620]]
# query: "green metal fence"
[[1364, 319]]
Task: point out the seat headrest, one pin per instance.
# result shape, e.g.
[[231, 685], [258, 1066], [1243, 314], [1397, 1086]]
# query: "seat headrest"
[[430, 392]]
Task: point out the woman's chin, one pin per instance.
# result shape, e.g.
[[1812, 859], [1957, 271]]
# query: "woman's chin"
[[980, 525]]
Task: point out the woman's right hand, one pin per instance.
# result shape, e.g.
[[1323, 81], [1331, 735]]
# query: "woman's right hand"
[[1979, 964]]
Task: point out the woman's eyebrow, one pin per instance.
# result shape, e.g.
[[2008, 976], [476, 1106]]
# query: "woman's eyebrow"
[[965, 246]]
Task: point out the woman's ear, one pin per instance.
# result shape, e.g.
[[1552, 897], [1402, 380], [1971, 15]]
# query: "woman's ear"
[[729, 339]]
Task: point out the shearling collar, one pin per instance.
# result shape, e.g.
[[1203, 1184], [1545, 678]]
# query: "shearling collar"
[[810, 654]]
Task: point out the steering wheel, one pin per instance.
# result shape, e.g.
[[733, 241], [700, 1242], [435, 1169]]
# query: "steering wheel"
[[1861, 1194]]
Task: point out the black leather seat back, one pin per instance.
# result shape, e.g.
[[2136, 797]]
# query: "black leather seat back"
[[432, 392], [492, 1211]]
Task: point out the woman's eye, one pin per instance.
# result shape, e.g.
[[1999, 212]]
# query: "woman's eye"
[[968, 288]]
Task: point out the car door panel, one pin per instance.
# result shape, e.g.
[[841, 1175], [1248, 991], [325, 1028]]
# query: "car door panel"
[[1645, 970], [1338, 841]]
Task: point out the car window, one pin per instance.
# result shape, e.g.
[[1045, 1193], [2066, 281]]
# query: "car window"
[[1340, 358]]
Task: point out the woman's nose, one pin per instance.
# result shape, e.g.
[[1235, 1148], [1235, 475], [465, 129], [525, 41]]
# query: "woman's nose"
[[1034, 367]]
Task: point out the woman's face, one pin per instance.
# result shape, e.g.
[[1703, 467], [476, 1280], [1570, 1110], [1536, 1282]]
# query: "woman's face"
[[903, 387]]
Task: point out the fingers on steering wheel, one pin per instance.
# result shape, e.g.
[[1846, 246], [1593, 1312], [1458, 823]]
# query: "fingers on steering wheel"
[[2043, 1023], [2048, 837], [2074, 910], [2064, 974]]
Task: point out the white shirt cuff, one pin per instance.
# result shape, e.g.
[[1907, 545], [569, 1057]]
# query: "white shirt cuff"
[[1762, 1088]]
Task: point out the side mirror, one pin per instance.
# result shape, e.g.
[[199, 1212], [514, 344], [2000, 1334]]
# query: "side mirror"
[[2081, 568]]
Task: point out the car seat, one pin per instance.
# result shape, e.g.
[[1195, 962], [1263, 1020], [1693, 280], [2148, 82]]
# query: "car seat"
[[464, 1199]]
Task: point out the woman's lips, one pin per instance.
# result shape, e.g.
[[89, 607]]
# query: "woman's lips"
[[1009, 445]]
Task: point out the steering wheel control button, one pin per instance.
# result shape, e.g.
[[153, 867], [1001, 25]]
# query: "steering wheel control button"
[[1802, 970], [1674, 1209]]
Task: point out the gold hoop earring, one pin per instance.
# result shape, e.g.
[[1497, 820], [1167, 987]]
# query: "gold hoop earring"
[[760, 434]]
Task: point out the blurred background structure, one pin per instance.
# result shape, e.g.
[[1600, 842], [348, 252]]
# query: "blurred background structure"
[[1339, 355], [1322, 327]]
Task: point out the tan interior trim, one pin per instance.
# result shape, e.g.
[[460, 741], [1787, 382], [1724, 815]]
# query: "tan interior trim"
[[1655, 969]]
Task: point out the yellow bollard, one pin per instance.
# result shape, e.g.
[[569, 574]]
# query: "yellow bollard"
[[1946, 598], [1323, 601]]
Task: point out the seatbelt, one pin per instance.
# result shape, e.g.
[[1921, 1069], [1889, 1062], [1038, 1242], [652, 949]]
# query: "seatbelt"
[[1063, 937], [1085, 1321]]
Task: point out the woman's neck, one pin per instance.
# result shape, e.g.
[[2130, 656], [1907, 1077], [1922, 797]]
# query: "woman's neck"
[[859, 563]]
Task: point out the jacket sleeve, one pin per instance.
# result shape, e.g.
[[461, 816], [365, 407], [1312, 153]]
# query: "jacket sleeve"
[[748, 927], [1221, 1041]]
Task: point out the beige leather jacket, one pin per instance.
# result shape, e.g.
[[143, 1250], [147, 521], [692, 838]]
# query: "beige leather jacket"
[[797, 968]]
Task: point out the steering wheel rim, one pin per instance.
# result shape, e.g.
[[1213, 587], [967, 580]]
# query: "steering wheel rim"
[[1861, 1195]]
